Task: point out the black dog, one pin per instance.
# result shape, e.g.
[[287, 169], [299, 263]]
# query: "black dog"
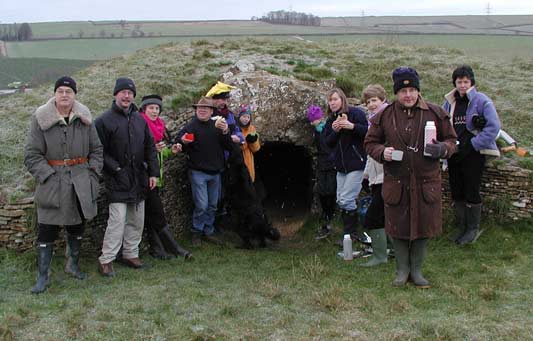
[[246, 214]]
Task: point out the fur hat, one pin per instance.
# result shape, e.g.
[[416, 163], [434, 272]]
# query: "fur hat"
[[124, 83], [314, 112], [66, 81], [464, 71], [405, 77], [205, 102], [152, 99]]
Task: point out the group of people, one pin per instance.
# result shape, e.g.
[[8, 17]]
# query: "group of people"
[[390, 152], [67, 153]]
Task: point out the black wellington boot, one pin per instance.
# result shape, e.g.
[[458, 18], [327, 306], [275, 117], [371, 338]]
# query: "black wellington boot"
[[171, 245], [401, 254], [72, 253], [44, 258], [157, 249], [473, 218], [460, 220]]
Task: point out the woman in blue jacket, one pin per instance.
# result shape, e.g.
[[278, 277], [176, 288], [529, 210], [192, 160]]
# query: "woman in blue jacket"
[[346, 135], [477, 124]]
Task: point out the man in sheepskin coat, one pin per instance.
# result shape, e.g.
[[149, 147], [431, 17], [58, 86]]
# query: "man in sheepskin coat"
[[64, 155]]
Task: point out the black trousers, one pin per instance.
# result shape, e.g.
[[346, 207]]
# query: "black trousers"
[[375, 214], [48, 233], [154, 213], [465, 177], [328, 204]]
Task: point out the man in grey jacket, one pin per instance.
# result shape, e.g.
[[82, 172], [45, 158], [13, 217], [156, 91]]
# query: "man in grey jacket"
[[64, 155]]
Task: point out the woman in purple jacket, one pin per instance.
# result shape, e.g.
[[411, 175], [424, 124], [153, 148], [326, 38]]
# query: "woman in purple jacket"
[[477, 124]]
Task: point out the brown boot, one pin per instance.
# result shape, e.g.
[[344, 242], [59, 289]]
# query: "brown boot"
[[106, 270], [134, 263]]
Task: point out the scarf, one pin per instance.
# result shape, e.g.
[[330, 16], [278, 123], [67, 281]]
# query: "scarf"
[[157, 127], [223, 112]]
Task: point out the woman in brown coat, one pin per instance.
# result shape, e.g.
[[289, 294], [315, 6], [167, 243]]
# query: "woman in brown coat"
[[412, 183], [64, 155]]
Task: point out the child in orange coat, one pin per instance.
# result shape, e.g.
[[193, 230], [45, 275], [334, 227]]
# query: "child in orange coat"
[[251, 138]]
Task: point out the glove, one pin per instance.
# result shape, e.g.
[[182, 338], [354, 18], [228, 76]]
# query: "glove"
[[251, 138], [436, 149], [479, 121]]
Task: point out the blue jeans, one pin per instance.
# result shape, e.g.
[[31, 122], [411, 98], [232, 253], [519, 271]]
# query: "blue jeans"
[[348, 188], [205, 193]]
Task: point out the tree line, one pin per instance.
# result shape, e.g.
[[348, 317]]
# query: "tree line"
[[291, 18], [15, 32]]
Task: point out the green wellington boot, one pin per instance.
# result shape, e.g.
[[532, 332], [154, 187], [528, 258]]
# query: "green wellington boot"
[[44, 258], [379, 248], [401, 254], [417, 255]]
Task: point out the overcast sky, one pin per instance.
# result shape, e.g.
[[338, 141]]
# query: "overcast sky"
[[66, 10]]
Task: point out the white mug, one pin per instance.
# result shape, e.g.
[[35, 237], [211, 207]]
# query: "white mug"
[[397, 155]]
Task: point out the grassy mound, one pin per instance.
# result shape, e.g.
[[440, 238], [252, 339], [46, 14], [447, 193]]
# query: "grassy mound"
[[182, 72]]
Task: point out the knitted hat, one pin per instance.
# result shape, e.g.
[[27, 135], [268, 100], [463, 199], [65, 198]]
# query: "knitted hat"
[[464, 71], [66, 81], [314, 112], [124, 83], [205, 102], [244, 110], [152, 99], [405, 77]]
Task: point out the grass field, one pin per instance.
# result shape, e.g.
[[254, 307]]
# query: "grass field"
[[480, 24], [499, 47], [297, 290], [37, 71]]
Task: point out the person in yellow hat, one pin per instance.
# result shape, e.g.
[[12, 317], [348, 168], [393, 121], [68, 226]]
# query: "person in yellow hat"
[[220, 93]]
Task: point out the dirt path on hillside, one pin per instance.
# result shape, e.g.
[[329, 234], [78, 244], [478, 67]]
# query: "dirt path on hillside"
[[3, 49]]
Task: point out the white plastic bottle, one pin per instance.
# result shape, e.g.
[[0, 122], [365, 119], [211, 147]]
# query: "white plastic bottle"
[[430, 134], [347, 247]]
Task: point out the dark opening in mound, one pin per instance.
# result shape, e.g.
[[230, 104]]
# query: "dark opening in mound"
[[286, 172]]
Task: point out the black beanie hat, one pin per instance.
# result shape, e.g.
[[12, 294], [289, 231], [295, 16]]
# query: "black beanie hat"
[[124, 83], [152, 99], [463, 71], [66, 81], [405, 77]]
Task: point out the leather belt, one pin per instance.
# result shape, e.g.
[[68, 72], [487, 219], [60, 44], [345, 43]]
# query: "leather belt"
[[68, 162]]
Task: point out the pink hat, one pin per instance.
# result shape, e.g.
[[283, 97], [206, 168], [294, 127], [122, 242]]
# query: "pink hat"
[[314, 113]]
